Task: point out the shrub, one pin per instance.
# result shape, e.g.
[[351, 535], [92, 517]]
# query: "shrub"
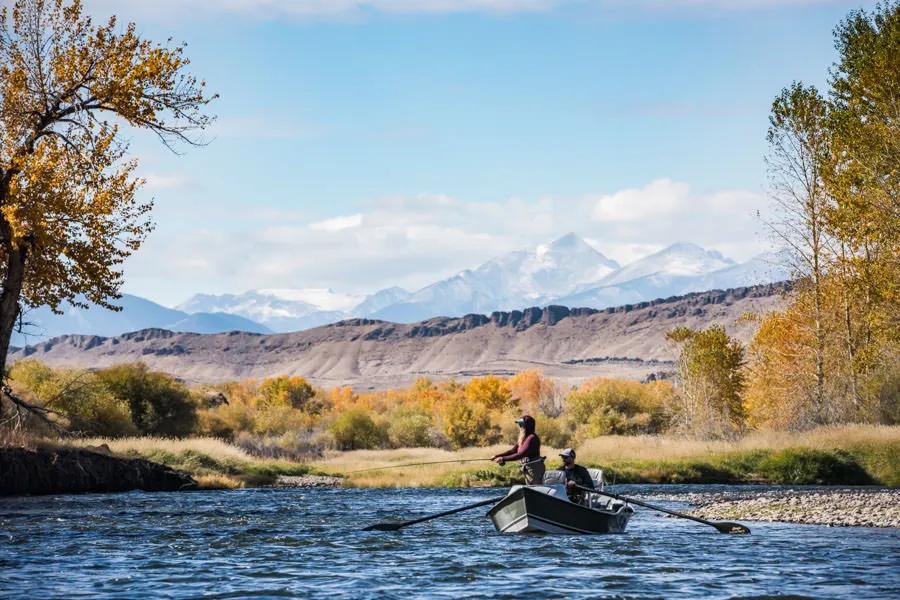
[[613, 407], [355, 430], [468, 424], [410, 429], [292, 392], [86, 405], [806, 466], [555, 432], [489, 391], [159, 404], [279, 419]]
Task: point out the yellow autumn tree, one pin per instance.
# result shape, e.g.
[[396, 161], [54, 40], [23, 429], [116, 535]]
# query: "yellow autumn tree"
[[69, 216]]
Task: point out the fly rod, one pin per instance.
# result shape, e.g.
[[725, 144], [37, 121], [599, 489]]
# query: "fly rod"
[[436, 462]]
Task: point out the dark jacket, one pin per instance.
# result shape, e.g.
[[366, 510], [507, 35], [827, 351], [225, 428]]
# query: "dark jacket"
[[579, 475]]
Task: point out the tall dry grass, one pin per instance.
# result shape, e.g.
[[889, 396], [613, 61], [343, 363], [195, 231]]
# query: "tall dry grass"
[[650, 447], [603, 452], [213, 447]]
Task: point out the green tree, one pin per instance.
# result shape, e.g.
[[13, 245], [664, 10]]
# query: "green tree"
[[356, 430], [159, 404], [710, 382], [410, 428]]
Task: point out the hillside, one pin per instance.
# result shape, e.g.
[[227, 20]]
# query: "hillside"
[[571, 344]]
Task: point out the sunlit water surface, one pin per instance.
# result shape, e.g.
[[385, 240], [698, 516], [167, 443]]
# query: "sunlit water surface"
[[302, 543]]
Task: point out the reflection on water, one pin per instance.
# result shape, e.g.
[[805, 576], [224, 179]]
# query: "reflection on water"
[[285, 543]]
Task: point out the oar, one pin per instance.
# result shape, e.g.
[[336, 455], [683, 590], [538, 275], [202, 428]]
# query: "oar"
[[402, 524], [436, 462], [722, 526]]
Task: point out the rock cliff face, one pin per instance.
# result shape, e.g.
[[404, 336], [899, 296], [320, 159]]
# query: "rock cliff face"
[[567, 343], [68, 470]]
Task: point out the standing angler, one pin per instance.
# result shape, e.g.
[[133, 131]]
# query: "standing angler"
[[527, 450]]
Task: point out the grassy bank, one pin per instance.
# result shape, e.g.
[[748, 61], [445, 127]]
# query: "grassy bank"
[[847, 455], [214, 463]]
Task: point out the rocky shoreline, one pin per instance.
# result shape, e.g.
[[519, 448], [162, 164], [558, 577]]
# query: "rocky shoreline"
[[309, 481], [72, 471], [839, 507]]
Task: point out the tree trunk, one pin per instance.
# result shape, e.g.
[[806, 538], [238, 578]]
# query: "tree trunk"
[[9, 300]]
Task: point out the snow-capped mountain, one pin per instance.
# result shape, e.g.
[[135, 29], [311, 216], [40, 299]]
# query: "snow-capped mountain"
[[522, 278], [277, 309], [137, 313], [567, 271], [680, 278], [379, 300], [679, 259]]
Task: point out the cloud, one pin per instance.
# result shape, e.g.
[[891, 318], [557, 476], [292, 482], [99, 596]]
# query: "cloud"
[[338, 223], [413, 241], [660, 198]]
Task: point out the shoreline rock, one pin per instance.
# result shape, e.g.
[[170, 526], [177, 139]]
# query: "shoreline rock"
[[74, 470], [309, 481], [842, 507]]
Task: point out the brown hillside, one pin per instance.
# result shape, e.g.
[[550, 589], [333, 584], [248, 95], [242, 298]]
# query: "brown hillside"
[[570, 344]]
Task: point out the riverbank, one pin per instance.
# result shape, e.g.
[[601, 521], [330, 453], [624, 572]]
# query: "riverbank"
[[843, 507], [77, 470], [213, 463], [846, 455]]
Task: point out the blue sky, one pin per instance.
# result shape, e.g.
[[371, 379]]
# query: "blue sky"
[[362, 144]]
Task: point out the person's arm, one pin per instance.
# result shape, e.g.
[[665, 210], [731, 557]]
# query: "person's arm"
[[504, 455], [585, 477], [527, 446]]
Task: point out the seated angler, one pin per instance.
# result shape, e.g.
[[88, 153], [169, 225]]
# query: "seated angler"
[[576, 475]]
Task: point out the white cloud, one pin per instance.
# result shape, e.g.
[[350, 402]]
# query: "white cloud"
[[338, 223], [413, 241], [659, 198]]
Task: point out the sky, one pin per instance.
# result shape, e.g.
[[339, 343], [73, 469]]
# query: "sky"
[[361, 144]]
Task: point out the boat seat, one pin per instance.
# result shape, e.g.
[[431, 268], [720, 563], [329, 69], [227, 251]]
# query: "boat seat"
[[556, 477], [597, 476]]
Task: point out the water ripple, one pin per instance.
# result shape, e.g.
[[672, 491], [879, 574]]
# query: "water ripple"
[[308, 543]]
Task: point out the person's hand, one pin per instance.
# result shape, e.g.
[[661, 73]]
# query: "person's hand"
[[570, 484], [499, 460]]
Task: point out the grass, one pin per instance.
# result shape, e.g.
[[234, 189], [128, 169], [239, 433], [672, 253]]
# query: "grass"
[[849, 455], [215, 464]]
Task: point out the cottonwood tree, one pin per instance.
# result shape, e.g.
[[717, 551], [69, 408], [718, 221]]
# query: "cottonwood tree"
[[799, 148], [69, 89], [710, 382], [865, 182]]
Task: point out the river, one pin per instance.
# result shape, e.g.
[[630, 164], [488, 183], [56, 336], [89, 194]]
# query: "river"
[[308, 543]]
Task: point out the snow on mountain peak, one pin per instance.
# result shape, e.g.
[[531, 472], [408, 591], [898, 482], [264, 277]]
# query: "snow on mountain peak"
[[321, 298], [681, 258]]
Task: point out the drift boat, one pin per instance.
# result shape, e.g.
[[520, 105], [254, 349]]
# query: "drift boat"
[[547, 509]]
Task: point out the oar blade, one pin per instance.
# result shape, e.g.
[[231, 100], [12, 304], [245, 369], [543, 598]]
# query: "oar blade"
[[728, 527], [385, 526]]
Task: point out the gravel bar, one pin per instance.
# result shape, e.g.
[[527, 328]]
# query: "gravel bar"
[[844, 507]]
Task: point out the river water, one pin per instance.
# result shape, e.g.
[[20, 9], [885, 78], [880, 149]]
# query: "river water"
[[308, 543]]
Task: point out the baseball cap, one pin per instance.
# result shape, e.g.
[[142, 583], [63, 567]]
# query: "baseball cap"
[[567, 453]]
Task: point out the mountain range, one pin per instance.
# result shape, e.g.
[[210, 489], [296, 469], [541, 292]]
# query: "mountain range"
[[567, 271], [567, 344]]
